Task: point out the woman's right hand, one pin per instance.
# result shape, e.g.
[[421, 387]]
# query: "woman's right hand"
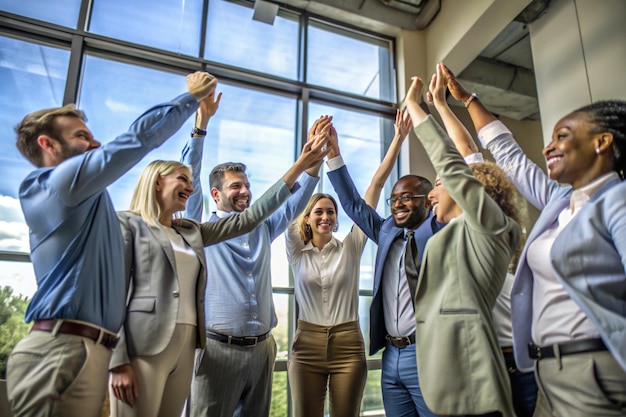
[[124, 384]]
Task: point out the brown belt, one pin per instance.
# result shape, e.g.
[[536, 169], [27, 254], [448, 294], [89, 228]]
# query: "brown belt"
[[400, 341], [77, 329]]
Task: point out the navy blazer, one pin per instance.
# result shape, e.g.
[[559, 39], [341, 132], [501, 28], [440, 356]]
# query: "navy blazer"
[[383, 232]]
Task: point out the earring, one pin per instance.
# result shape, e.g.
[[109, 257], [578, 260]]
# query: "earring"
[[336, 227], [597, 151]]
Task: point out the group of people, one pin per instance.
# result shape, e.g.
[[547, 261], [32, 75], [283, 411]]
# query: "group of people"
[[178, 310]]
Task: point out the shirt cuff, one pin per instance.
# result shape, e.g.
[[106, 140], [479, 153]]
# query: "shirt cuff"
[[491, 131], [474, 158], [335, 163]]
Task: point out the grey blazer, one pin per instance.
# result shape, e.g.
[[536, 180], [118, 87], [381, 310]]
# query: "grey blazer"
[[588, 256], [153, 298], [461, 369]]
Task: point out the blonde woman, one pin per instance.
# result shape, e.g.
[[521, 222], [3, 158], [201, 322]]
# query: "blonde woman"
[[151, 367], [328, 352]]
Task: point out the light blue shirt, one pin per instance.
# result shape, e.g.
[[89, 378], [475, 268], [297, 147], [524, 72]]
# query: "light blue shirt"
[[239, 298], [75, 237]]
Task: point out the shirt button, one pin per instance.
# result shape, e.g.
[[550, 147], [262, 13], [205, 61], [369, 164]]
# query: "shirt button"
[[249, 274], [253, 296], [254, 316], [175, 294]]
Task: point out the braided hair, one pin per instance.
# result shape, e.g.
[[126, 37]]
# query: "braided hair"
[[610, 116]]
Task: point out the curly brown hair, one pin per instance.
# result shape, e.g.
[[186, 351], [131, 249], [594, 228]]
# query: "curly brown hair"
[[503, 192]]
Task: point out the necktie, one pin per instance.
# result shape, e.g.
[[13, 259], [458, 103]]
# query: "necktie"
[[410, 263]]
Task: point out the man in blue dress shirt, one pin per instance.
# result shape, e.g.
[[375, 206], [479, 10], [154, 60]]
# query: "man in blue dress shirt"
[[60, 368], [234, 372]]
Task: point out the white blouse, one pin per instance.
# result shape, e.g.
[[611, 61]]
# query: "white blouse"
[[327, 280]]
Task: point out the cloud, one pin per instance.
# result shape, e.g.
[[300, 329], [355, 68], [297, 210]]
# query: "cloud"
[[13, 228]]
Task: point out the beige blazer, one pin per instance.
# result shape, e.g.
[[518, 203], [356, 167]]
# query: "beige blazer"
[[461, 369], [153, 297]]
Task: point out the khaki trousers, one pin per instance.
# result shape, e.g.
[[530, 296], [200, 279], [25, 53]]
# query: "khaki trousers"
[[52, 375], [327, 358], [580, 385], [163, 380]]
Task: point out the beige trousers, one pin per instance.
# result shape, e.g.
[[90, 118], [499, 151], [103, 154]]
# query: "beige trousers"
[[327, 358], [580, 385], [163, 380], [52, 375]]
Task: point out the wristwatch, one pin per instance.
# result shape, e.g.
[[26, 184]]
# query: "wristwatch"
[[470, 99], [198, 132]]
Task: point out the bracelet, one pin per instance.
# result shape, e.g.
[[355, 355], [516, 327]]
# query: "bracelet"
[[198, 132], [471, 98]]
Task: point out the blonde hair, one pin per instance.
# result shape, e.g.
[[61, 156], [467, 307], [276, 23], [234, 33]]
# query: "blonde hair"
[[144, 201], [305, 230], [42, 122]]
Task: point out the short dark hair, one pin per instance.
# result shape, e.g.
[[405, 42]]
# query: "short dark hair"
[[424, 185], [216, 177], [610, 116]]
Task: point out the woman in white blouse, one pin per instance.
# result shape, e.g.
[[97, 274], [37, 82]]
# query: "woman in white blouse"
[[328, 352]]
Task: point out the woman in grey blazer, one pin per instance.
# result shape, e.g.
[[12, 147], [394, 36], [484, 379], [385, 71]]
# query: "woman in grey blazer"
[[151, 367], [568, 299], [461, 369]]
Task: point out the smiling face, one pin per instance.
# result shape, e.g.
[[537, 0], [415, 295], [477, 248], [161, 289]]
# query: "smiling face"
[[173, 191], [571, 155], [322, 219], [412, 213], [235, 194], [443, 206]]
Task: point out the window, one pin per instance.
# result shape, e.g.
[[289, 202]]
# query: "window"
[[172, 25], [341, 60], [59, 12], [32, 77], [233, 38]]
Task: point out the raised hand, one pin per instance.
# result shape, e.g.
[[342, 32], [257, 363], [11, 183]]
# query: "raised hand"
[[438, 85], [402, 125], [456, 88], [209, 105], [413, 96], [201, 84]]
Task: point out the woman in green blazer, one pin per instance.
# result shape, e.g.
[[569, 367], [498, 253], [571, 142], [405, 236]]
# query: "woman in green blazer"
[[460, 363]]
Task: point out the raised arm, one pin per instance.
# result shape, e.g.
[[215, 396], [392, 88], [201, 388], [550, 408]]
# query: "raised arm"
[[192, 153], [402, 126], [530, 180], [456, 130]]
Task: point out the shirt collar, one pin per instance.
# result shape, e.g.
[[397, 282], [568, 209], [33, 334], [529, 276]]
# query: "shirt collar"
[[332, 244], [581, 195]]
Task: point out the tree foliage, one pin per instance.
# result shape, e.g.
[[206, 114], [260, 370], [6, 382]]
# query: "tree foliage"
[[12, 326]]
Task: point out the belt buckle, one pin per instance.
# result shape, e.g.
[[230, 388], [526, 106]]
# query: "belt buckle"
[[255, 340], [534, 350]]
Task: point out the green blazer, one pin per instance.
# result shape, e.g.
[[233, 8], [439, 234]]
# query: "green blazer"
[[461, 368]]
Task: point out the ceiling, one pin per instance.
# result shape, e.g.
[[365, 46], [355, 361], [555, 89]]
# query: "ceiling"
[[502, 75]]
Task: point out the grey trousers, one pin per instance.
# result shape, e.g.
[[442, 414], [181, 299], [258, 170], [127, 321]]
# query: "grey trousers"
[[62, 375], [581, 385], [233, 380]]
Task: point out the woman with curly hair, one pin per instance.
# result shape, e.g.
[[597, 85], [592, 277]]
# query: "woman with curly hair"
[[461, 368]]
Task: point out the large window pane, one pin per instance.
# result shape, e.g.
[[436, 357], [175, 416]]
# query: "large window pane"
[[173, 25], [113, 95], [360, 141], [339, 60], [60, 12], [233, 38], [32, 77], [19, 276]]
